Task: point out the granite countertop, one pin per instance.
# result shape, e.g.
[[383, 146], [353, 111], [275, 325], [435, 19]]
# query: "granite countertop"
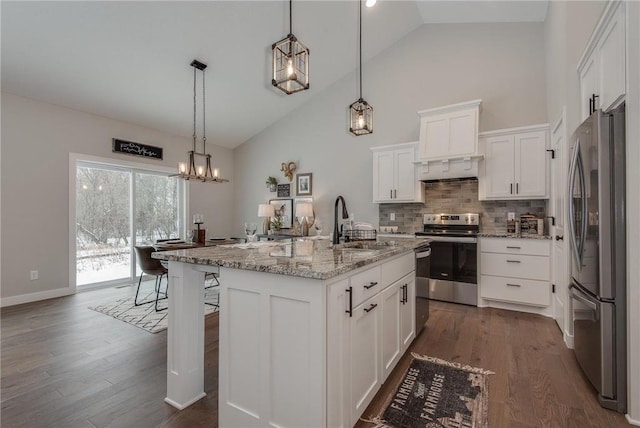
[[304, 257], [511, 235]]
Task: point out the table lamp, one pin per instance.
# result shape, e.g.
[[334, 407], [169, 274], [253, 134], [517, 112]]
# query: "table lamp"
[[304, 210], [266, 211]]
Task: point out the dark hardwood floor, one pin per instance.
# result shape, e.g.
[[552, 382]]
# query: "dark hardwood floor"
[[64, 365]]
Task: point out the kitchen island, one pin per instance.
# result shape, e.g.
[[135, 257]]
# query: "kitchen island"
[[308, 330]]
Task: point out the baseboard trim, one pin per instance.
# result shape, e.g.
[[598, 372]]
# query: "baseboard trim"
[[632, 421], [35, 297]]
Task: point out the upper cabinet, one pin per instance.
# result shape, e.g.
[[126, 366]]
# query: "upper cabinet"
[[449, 141], [515, 164], [602, 66], [394, 174]]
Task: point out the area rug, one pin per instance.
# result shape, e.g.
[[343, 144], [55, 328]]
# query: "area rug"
[[145, 316], [436, 393]]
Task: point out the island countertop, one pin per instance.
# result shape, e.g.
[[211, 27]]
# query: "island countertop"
[[303, 257]]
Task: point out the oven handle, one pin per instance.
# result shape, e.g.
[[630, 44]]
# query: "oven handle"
[[423, 254], [453, 239]]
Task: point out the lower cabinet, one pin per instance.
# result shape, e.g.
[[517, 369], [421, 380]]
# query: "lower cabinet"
[[365, 341]]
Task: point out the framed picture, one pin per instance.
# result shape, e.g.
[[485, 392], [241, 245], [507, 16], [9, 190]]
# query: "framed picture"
[[303, 184], [284, 190], [284, 210]]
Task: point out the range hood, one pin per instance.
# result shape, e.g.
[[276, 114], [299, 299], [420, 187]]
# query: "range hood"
[[450, 180], [449, 169]]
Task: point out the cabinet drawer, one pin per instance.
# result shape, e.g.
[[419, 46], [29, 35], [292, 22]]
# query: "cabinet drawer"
[[515, 290], [533, 247], [397, 268], [516, 266], [365, 284]]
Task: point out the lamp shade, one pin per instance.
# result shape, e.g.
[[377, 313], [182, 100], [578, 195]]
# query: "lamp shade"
[[266, 210], [304, 210]]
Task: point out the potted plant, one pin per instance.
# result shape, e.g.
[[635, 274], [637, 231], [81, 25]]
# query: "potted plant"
[[272, 183]]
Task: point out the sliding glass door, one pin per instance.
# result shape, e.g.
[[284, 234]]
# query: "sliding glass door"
[[116, 209]]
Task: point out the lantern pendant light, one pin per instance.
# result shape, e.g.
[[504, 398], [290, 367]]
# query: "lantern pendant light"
[[290, 62], [360, 112], [191, 171]]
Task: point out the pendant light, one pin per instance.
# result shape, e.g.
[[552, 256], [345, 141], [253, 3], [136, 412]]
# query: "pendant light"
[[360, 112], [192, 171], [290, 62]]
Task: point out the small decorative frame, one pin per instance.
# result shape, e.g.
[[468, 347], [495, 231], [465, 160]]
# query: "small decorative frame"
[[304, 184], [284, 210], [284, 190]]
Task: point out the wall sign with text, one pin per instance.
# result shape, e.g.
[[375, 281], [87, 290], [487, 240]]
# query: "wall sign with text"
[[137, 149]]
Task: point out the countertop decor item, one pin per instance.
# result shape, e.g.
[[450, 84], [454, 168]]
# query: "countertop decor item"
[[272, 182], [360, 112], [267, 211], [283, 212], [290, 62], [192, 171], [304, 184], [305, 210]]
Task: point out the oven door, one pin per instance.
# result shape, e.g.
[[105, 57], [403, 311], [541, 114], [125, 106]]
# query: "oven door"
[[441, 266]]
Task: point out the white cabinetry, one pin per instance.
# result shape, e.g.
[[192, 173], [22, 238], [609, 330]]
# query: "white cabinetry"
[[394, 174], [515, 164], [602, 66], [449, 141], [367, 333], [515, 271]]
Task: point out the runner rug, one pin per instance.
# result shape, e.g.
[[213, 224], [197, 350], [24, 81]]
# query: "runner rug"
[[145, 316], [436, 393]]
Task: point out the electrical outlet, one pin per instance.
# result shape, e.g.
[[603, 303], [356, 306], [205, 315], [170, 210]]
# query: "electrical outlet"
[[392, 216], [34, 275]]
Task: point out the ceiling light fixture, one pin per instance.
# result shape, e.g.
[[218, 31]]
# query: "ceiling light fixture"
[[360, 112], [199, 172], [290, 62], [370, 3]]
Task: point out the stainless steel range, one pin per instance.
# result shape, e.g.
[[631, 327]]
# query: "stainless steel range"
[[453, 272]]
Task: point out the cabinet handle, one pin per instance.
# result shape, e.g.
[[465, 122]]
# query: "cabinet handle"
[[513, 248], [371, 285], [371, 307], [395, 193], [350, 310], [390, 194], [513, 261], [513, 285], [590, 106], [517, 188]]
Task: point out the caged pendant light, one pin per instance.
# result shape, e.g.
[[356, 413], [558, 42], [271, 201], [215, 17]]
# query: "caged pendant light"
[[290, 62], [192, 171], [360, 112]]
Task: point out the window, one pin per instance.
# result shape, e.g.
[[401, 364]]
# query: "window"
[[116, 208]]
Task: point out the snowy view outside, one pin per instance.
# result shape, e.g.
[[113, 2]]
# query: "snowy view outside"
[[103, 221]]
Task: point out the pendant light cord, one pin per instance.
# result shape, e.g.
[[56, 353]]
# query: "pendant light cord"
[[290, 16], [360, 42], [194, 109], [204, 117]]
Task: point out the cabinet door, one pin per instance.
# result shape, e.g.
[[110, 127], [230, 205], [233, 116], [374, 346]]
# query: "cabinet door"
[[588, 85], [463, 133], [434, 137], [531, 165], [392, 300], [611, 61], [338, 356], [383, 175], [499, 167], [364, 373], [405, 178], [407, 312]]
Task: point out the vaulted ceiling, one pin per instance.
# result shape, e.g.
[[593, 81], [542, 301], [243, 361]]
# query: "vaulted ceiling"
[[130, 60]]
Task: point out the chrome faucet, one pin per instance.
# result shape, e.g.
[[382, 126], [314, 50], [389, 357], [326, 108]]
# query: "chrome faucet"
[[345, 214]]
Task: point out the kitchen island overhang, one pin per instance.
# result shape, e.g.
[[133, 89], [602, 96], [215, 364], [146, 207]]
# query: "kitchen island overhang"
[[276, 364]]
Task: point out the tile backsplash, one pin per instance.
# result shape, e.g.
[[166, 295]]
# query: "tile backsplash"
[[458, 197]]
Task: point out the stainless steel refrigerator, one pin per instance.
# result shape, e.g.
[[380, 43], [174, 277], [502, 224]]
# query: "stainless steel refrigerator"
[[598, 254]]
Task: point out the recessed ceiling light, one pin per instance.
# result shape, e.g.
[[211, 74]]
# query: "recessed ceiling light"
[[370, 3]]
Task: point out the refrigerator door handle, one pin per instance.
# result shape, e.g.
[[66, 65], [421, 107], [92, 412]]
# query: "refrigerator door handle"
[[580, 297], [583, 194], [572, 235]]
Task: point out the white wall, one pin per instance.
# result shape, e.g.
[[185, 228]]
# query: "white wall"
[[435, 65], [36, 141]]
